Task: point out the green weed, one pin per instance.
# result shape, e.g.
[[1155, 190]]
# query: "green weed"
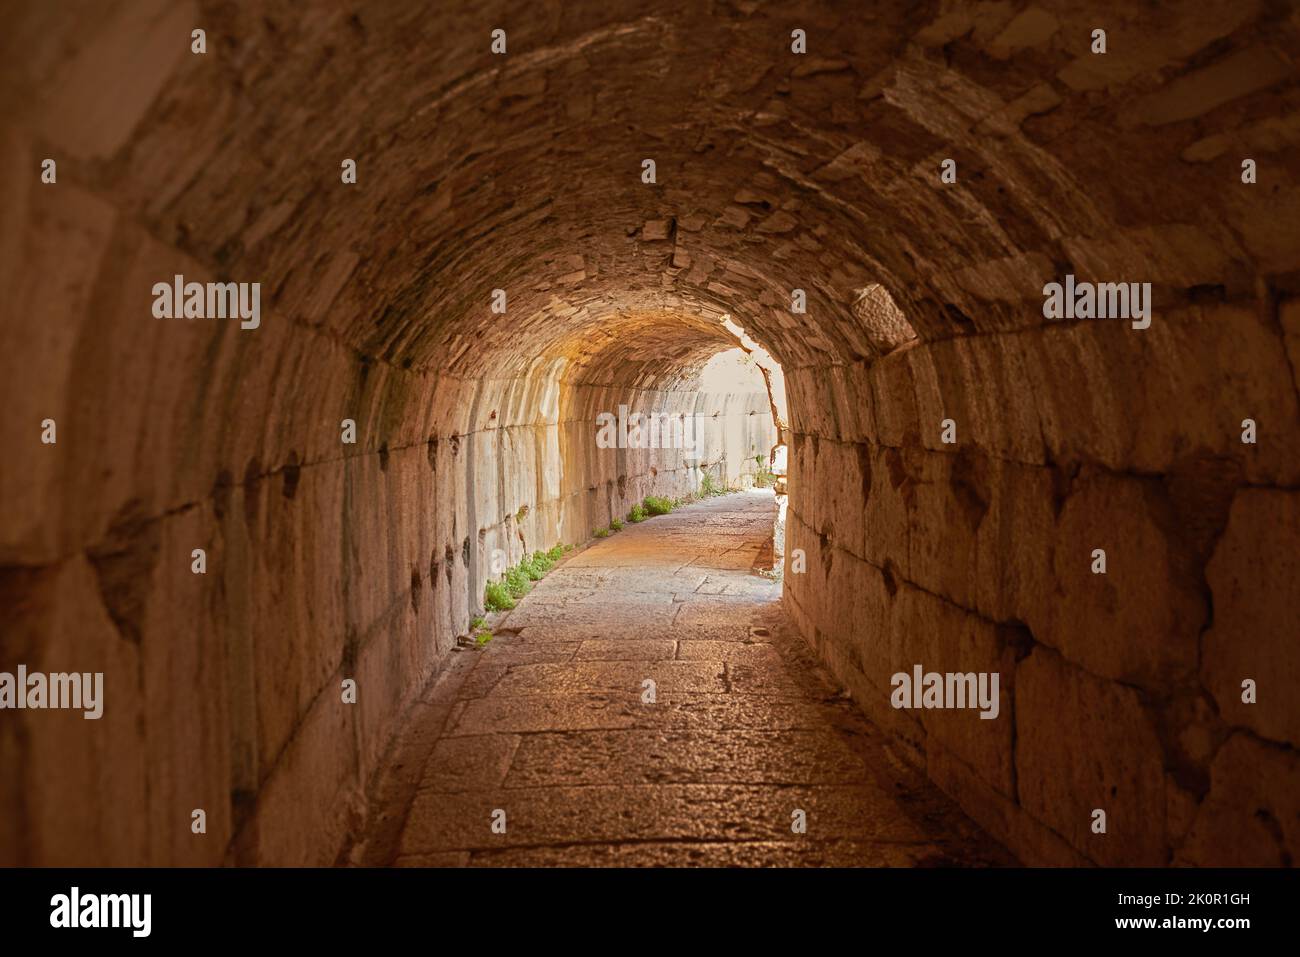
[[497, 597], [658, 505]]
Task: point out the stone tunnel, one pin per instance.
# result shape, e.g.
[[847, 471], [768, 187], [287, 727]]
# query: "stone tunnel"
[[477, 227]]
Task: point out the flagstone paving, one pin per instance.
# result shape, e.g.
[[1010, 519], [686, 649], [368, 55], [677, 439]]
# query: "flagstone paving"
[[548, 723]]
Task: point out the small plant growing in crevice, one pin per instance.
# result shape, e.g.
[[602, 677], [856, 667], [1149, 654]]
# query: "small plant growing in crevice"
[[616, 525], [707, 486], [538, 565], [497, 597], [477, 622], [637, 514], [518, 582], [658, 505], [482, 637], [515, 584], [601, 533]]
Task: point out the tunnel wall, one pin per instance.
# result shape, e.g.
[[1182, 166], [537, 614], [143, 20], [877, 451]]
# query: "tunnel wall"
[[325, 561], [733, 429], [1119, 691]]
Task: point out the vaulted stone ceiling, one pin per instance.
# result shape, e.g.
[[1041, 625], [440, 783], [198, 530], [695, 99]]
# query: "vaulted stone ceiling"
[[774, 171]]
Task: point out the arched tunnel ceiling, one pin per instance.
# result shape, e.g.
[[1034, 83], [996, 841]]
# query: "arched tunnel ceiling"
[[775, 171], [642, 349]]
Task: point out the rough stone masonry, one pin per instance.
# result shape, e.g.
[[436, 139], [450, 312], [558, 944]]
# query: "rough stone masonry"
[[921, 172]]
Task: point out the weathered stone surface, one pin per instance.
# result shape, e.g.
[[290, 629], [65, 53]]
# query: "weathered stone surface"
[[615, 649], [1251, 817], [632, 813], [1084, 744], [1138, 623], [717, 854], [710, 771], [1201, 91], [1254, 576], [470, 763], [941, 637]]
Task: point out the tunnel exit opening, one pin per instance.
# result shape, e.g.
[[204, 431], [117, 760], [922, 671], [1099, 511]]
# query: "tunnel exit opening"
[[737, 389], [771, 468]]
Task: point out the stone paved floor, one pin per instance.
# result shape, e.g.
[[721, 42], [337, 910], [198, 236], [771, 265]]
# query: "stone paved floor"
[[546, 722]]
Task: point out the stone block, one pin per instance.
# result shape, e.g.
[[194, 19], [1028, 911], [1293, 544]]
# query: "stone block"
[[1254, 576], [1251, 816], [1083, 744], [1140, 621]]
